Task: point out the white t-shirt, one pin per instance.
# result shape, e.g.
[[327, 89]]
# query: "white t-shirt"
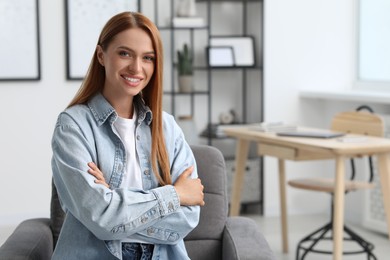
[[132, 174]]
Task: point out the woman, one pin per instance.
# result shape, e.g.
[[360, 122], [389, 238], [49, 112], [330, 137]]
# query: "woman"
[[126, 177]]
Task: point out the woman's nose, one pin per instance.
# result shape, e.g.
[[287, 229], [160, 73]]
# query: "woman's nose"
[[135, 65]]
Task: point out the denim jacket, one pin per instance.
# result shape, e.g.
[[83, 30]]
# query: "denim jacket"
[[97, 217]]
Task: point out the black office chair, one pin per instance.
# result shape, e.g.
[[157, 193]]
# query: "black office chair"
[[356, 122]]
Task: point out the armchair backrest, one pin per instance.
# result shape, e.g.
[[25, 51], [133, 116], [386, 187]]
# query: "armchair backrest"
[[205, 241], [206, 238]]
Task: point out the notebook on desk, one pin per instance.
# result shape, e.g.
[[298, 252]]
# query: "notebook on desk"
[[312, 134]]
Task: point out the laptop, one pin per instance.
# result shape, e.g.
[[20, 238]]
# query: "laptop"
[[312, 134]]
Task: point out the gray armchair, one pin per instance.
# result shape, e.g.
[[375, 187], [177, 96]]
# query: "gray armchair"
[[216, 237]]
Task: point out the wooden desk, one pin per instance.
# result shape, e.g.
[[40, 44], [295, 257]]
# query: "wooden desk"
[[297, 148]]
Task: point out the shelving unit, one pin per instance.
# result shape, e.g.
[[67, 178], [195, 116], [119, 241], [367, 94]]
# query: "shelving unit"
[[205, 77]]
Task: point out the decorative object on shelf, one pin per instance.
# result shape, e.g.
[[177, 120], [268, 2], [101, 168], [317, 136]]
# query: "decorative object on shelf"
[[228, 117], [20, 46], [185, 69], [220, 56], [243, 48], [186, 8], [186, 15]]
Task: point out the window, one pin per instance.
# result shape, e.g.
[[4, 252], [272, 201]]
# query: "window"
[[373, 67]]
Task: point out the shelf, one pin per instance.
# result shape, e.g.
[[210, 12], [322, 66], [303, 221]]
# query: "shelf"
[[168, 28], [200, 103], [225, 68], [348, 95], [202, 71], [195, 67], [213, 136], [215, 131], [237, 67], [187, 93], [240, 1]]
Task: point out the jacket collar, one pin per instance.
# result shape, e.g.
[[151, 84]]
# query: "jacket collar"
[[102, 109]]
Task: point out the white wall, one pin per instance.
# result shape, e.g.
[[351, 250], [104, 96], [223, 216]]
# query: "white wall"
[[28, 111], [308, 44]]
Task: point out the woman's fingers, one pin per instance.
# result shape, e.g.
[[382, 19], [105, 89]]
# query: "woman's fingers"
[[187, 172], [95, 171], [190, 191], [101, 182], [202, 203]]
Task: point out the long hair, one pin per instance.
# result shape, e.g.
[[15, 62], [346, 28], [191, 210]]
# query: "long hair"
[[152, 93]]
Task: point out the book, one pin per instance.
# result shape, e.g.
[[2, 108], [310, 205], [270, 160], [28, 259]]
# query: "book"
[[217, 130], [187, 22], [274, 127]]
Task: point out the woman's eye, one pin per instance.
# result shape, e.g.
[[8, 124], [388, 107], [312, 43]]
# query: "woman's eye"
[[149, 58], [123, 53]]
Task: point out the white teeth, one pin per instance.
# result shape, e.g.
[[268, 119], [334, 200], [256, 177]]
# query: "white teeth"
[[132, 79]]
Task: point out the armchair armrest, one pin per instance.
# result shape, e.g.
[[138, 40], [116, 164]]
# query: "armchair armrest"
[[243, 240], [32, 239]]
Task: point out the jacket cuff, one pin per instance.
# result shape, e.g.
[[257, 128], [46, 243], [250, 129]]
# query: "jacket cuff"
[[168, 199]]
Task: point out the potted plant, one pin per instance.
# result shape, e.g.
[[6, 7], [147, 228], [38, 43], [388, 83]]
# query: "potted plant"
[[185, 69]]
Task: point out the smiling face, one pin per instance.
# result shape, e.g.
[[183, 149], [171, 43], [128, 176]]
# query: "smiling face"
[[129, 65]]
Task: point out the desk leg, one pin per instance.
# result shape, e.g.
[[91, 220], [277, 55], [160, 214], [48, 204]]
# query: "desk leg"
[[283, 207], [384, 172], [238, 179], [338, 212]]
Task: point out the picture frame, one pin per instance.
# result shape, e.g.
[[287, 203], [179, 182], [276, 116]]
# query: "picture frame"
[[20, 59], [243, 48], [84, 21], [220, 56]]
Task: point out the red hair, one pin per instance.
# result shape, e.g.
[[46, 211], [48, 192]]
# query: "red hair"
[[152, 94]]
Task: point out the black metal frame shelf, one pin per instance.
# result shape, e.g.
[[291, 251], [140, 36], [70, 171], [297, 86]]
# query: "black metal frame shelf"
[[208, 71], [186, 93], [183, 28]]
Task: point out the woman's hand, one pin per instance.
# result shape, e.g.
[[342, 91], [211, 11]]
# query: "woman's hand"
[[95, 171], [190, 191]]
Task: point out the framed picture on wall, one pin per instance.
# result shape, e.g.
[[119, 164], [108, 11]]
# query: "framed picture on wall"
[[84, 21], [220, 56], [19, 40], [243, 48]]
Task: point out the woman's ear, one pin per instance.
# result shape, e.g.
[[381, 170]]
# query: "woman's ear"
[[100, 54]]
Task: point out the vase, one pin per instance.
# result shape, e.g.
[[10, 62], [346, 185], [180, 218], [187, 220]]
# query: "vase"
[[185, 83], [186, 8]]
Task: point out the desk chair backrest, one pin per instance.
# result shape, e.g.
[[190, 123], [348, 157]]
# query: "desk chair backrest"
[[358, 122]]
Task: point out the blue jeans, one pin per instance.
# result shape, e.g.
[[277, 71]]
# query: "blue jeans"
[[137, 251]]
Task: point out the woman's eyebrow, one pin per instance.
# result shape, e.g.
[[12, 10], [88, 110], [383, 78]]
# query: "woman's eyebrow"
[[131, 50]]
